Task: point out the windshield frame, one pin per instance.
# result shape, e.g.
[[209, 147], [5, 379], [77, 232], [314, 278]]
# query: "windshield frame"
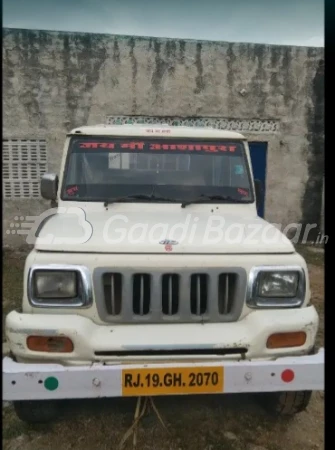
[[72, 137]]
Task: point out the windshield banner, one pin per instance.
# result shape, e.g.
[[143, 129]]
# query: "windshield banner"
[[166, 145]]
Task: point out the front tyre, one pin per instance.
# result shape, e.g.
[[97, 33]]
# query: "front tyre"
[[37, 411], [285, 403]]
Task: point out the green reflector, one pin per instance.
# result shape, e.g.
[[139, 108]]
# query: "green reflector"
[[51, 383]]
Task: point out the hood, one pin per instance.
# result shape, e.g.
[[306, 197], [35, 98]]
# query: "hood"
[[169, 230]]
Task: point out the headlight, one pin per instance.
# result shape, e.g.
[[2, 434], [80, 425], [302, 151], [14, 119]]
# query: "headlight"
[[276, 287], [59, 286], [55, 284], [278, 284]]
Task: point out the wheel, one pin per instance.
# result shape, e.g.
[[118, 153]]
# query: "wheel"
[[37, 411], [285, 403]]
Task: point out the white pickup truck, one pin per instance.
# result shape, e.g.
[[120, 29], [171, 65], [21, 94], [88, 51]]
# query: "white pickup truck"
[[153, 275]]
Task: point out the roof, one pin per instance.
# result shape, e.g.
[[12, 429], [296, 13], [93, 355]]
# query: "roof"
[[155, 130]]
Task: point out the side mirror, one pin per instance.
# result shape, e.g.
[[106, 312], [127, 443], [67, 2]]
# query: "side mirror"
[[49, 186], [259, 192]]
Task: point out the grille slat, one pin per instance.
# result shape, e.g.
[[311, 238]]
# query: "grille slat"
[[127, 295], [170, 296], [141, 294], [155, 306], [112, 295], [184, 304], [198, 296], [225, 304], [226, 287], [183, 297]]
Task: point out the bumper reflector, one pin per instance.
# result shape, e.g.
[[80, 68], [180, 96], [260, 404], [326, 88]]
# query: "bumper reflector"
[[287, 376], [50, 344], [285, 340]]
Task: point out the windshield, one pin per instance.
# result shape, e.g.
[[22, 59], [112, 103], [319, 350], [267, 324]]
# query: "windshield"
[[107, 168]]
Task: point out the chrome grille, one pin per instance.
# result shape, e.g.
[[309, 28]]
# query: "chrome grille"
[[188, 296]]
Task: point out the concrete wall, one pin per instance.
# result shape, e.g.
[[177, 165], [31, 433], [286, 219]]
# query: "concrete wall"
[[55, 81]]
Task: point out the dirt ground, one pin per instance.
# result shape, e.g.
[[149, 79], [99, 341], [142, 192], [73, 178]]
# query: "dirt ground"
[[230, 422]]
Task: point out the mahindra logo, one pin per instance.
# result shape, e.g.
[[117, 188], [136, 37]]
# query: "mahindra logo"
[[168, 242]]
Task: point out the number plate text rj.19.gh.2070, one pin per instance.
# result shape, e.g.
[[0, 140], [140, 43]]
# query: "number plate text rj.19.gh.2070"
[[171, 381]]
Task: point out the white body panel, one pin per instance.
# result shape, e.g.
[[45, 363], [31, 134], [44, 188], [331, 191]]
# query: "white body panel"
[[198, 229]]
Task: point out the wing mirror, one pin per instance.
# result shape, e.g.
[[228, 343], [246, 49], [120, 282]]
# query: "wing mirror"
[[49, 186]]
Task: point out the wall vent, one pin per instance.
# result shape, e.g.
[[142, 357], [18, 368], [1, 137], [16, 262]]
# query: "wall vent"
[[24, 161]]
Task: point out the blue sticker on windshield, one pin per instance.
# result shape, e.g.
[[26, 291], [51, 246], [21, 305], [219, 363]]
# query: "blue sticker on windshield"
[[239, 170]]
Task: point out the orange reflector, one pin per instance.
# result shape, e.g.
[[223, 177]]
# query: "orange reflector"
[[50, 344], [284, 340]]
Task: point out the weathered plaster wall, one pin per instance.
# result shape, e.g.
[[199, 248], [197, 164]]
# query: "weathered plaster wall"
[[55, 81]]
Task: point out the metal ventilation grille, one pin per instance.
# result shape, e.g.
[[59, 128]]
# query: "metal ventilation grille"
[[124, 295], [24, 163]]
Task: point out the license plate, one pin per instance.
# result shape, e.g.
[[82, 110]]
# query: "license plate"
[[170, 381]]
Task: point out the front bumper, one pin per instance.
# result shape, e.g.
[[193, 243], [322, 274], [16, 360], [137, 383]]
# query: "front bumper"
[[52, 381], [92, 341]]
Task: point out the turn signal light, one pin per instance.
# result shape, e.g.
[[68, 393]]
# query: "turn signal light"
[[285, 340], [50, 344]]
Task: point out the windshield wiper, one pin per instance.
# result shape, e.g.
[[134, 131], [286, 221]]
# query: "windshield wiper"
[[205, 198], [138, 197]]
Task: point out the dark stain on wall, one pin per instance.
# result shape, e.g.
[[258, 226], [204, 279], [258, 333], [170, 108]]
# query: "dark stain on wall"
[[289, 92], [199, 80], [315, 158], [250, 51], [259, 79], [116, 51], [9, 68], [44, 38], [83, 56], [133, 73], [275, 73], [168, 49], [29, 46], [116, 60], [231, 58], [160, 68], [181, 57], [170, 52]]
